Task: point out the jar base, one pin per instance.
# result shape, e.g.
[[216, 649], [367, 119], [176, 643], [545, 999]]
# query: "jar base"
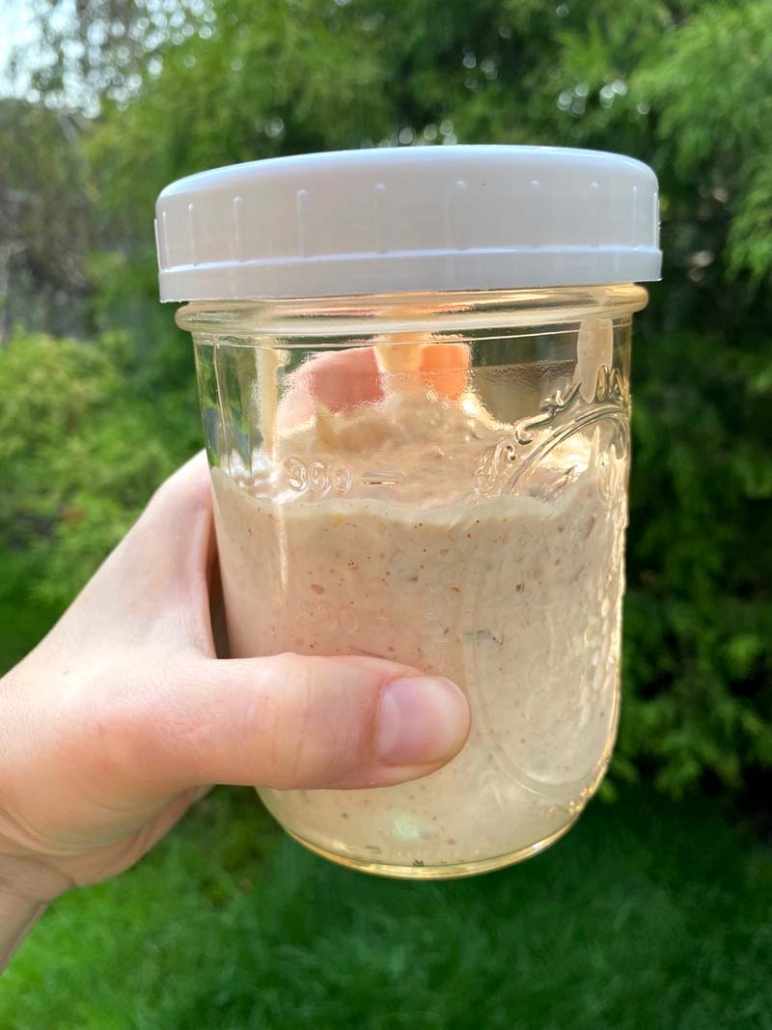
[[437, 872]]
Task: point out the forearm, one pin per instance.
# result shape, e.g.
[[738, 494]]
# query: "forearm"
[[18, 915]]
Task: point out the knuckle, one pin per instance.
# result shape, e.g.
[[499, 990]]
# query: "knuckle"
[[305, 736], [121, 741]]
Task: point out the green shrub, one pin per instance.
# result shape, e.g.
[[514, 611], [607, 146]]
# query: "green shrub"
[[82, 449]]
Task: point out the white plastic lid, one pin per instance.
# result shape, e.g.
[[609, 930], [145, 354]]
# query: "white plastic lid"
[[408, 219]]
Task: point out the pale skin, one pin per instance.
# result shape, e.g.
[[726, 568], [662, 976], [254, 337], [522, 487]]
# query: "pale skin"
[[123, 715]]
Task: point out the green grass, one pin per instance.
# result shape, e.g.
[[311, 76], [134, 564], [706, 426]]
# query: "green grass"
[[648, 915]]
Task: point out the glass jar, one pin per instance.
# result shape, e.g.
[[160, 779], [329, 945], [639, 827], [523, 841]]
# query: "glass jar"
[[437, 477]]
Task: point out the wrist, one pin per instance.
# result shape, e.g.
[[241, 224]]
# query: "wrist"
[[18, 914], [26, 887]]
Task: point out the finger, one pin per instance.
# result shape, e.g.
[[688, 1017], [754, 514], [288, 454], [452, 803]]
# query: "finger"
[[177, 515], [344, 380], [160, 571], [339, 380], [284, 722], [445, 368]]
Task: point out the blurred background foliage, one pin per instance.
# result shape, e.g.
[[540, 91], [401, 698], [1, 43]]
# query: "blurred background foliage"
[[120, 97]]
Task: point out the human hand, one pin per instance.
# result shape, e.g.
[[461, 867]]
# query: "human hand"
[[118, 720], [342, 381]]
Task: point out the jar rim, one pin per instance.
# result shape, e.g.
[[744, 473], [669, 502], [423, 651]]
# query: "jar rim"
[[442, 311]]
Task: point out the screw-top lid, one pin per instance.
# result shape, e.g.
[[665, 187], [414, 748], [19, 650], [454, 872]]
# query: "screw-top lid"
[[408, 220]]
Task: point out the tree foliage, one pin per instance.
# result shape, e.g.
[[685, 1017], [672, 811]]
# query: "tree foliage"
[[683, 84], [82, 447], [93, 51], [44, 217]]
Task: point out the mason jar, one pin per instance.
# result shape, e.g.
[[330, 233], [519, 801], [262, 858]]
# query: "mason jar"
[[414, 369]]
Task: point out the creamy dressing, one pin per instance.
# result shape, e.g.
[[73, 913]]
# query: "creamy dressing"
[[394, 530]]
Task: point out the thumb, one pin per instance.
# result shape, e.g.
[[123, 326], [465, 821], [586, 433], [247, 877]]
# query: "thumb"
[[292, 722]]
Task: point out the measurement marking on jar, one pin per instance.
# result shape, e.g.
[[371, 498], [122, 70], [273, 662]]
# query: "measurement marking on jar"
[[318, 477], [389, 478]]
